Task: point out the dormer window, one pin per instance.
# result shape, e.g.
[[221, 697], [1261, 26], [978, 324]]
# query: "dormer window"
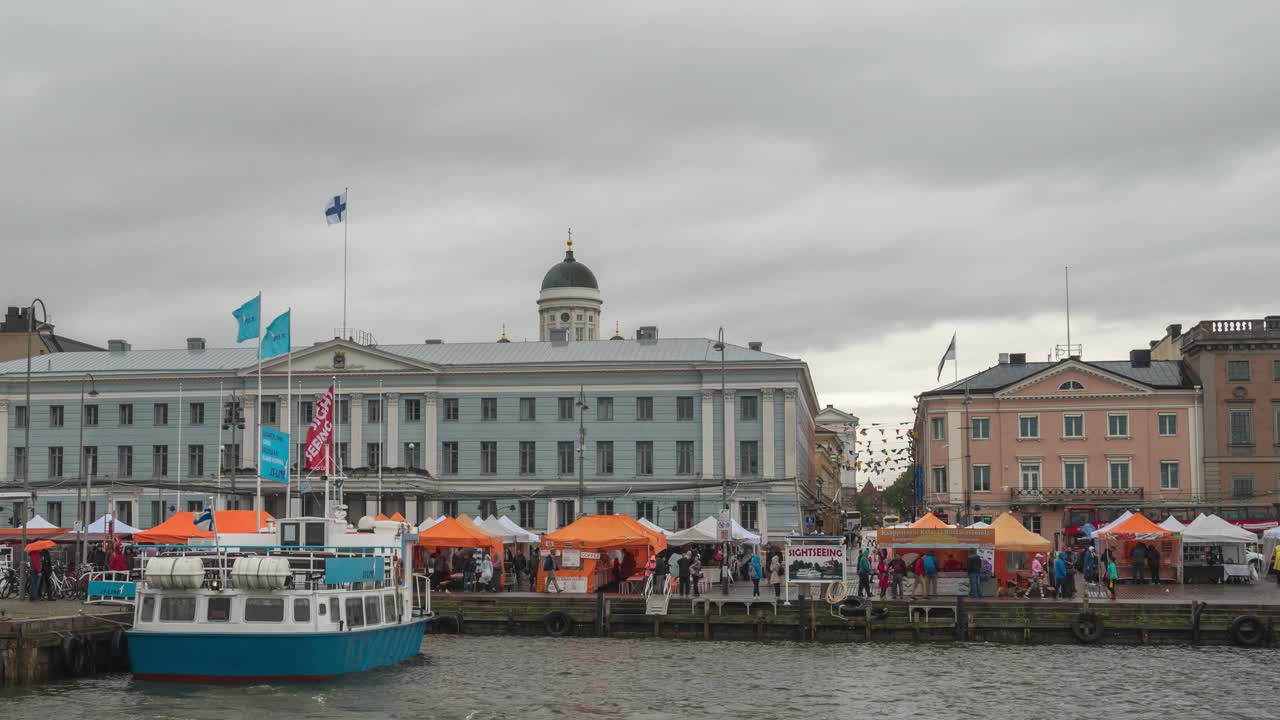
[[1071, 385]]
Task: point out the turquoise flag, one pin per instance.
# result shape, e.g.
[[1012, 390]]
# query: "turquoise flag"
[[249, 316], [275, 455], [276, 340]]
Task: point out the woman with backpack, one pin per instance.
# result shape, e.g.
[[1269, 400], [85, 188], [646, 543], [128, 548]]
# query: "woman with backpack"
[[755, 573]]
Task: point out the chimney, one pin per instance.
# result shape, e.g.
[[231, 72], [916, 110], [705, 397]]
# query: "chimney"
[[195, 343], [647, 334], [1017, 358], [755, 345], [1140, 358], [1174, 331], [1004, 358], [118, 346], [559, 337]]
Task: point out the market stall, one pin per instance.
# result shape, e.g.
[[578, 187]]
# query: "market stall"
[[583, 548], [1123, 536], [522, 535], [1215, 550], [181, 527], [1173, 524], [929, 520], [37, 529], [448, 536], [707, 533], [950, 548], [1015, 546], [645, 522]]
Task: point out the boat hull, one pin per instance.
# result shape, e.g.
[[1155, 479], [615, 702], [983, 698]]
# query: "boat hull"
[[258, 657]]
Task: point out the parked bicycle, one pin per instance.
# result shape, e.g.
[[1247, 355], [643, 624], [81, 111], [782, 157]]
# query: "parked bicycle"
[[8, 583]]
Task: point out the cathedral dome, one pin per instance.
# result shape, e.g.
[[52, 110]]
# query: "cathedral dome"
[[569, 274]]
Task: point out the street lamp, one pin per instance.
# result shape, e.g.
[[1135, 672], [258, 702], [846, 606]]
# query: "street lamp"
[[582, 448], [724, 466], [85, 478], [26, 441], [232, 419]]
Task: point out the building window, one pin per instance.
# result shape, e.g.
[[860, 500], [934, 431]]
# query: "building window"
[[373, 414], [489, 457], [124, 511], [684, 457], [1118, 425], [748, 407], [579, 333], [1071, 385], [566, 408], [57, 416], [644, 510], [604, 507], [53, 513], [982, 478], [307, 409], [1237, 371], [124, 461], [604, 457], [195, 460], [449, 508], [159, 461], [749, 514], [1240, 421], [1168, 424], [939, 426], [564, 457], [644, 457], [195, 413], [449, 458], [528, 408], [1072, 426], [489, 409], [55, 462], [684, 408], [1073, 475], [748, 458], [488, 508], [1030, 476], [644, 408], [1168, 476], [412, 455], [564, 512], [90, 415], [528, 457], [1029, 427], [269, 414], [344, 411], [160, 414], [373, 455], [231, 455], [526, 513], [126, 414], [413, 410], [90, 460], [344, 457], [20, 416], [981, 428], [451, 409], [684, 514], [1275, 370], [20, 463], [940, 480], [1032, 523], [1120, 475], [1242, 486], [604, 408]]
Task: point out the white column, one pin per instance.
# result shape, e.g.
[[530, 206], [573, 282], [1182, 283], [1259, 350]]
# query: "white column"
[[4, 441], [768, 458], [730, 436], [955, 457], [391, 417], [763, 508], [708, 434], [430, 417], [1195, 433], [789, 433], [357, 430], [248, 453], [285, 414]]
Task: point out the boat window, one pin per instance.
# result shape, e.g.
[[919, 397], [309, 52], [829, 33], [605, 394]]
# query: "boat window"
[[315, 534], [355, 612], [399, 605], [263, 609], [148, 609], [322, 608], [302, 609], [333, 610], [289, 534], [177, 609], [371, 609], [389, 608], [219, 609]]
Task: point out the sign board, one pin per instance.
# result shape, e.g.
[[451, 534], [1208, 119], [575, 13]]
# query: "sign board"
[[815, 563], [724, 528], [202, 542], [571, 559], [112, 590], [588, 555], [338, 571], [275, 455], [936, 537], [572, 584]]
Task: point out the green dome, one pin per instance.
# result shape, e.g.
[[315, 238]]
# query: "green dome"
[[569, 274]]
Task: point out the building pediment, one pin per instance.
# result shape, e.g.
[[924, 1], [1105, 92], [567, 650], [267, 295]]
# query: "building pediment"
[[1073, 379], [339, 357]]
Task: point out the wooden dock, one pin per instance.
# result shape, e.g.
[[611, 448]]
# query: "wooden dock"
[[45, 641]]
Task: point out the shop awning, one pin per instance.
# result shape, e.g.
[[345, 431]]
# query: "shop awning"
[[645, 522]]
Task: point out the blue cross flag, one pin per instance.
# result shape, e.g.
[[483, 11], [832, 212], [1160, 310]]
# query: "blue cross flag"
[[276, 340], [205, 517], [249, 317], [336, 212], [275, 455]]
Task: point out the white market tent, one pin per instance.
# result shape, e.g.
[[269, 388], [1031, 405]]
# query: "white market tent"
[[495, 527], [1173, 524], [39, 523], [429, 522], [521, 535], [1270, 539], [706, 532], [120, 528], [655, 528], [979, 526], [1213, 530]]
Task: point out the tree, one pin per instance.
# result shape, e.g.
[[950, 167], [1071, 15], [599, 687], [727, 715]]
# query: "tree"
[[899, 496]]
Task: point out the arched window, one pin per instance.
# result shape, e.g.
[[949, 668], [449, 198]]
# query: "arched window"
[[1071, 385]]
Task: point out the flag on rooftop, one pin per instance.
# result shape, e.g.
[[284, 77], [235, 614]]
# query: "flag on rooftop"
[[336, 212], [950, 354], [276, 340], [249, 317]]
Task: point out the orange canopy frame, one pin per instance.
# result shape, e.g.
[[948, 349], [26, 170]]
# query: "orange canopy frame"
[[596, 535], [1014, 543], [1136, 526], [454, 533], [397, 517], [181, 527], [1122, 539], [929, 521]]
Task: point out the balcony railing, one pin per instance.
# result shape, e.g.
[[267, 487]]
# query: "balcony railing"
[[1237, 328], [1067, 495]]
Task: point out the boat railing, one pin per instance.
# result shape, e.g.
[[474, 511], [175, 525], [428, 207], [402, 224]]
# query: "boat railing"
[[110, 587], [307, 564], [421, 595]]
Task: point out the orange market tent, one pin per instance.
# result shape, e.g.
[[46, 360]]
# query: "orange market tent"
[[397, 517], [454, 533], [929, 521], [585, 543], [380, 516], [181, 527], [1124, 536], [1015, 545]]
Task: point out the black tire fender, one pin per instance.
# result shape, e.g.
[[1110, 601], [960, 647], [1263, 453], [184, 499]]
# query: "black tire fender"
[[1087, 627], [558, 623], [854, 604], [1248, 630], [69, 653], [119, 644]]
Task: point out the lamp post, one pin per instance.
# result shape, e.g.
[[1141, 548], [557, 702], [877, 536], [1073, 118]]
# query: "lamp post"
[[26, 444], [582, 449], [85, 477], [232, 419], [724, 467]]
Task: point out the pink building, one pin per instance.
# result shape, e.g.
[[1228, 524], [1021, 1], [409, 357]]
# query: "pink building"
[[1062, 443]]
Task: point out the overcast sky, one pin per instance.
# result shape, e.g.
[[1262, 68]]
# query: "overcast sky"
[[848, 182]]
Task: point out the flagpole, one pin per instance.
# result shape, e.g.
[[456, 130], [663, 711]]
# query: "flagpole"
[[221, 419], [346, 220], [257, 440], [289, 404], [382, 423], [178, 504]]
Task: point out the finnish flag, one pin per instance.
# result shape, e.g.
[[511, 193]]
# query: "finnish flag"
[[205, 517], [336, 212]]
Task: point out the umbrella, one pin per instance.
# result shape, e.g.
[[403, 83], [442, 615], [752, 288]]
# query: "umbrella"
[[39, 545]]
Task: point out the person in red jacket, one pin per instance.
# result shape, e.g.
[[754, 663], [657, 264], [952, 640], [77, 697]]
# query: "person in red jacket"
[[35, 575], [116, 562]]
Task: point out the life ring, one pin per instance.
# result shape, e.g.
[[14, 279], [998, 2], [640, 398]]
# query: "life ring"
[[70, 655], [445, 623], [1087, 628], [558, 623], [119, 644], [1248, 630], [836, 593]]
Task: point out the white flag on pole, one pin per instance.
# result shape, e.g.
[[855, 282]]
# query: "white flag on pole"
[[950, 354]]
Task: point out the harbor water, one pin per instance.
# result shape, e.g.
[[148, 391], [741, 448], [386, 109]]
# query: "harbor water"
[[487, 678]]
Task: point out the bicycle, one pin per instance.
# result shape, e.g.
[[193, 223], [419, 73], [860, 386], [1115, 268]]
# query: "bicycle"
[[8, 583]]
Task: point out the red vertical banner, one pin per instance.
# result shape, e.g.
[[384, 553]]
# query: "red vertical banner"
[[317, 457]]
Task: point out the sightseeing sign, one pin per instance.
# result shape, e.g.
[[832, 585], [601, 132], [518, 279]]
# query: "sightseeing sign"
[[318, 435], [813, 563]]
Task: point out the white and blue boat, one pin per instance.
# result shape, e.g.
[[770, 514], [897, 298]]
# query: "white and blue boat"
[[315, 600]]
